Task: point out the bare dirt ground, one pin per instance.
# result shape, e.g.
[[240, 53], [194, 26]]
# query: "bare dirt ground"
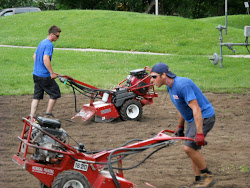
[[227, 153]]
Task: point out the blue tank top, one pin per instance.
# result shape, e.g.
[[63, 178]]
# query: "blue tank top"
[[185, 90], [45, 47]]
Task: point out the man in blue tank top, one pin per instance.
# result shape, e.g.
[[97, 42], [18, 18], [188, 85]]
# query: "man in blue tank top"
[[194, 108], [43, 74]]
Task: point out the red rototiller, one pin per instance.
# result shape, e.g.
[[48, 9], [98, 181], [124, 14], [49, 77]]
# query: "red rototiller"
[[44, 152], [125, 101]]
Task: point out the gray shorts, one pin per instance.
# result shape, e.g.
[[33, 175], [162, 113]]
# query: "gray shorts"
[[208, 124]]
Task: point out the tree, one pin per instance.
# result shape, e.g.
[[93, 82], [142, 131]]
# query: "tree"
[[42, 4], [15, 3]]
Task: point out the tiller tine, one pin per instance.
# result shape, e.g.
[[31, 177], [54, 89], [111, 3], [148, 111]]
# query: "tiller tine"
[[86, 113]]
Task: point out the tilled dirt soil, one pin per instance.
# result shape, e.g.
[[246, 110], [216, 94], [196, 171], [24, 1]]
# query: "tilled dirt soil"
[[227, 153]]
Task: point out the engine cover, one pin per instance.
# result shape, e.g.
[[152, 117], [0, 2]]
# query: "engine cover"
[[139, 73], [135, 77], [50, 123]]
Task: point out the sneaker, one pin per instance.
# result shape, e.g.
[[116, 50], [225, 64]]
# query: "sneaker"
[[31, 118], [207, 180], [48, 115], [192, 185]]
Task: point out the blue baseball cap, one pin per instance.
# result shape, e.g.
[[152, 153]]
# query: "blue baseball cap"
[[163, 68]]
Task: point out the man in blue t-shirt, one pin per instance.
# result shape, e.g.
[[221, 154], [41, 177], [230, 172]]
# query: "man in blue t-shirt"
[[194, 108], [43, 74]]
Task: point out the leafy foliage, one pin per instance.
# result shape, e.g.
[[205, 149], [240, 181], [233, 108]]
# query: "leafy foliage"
[[15, 3], [42, 4], [184, 8]]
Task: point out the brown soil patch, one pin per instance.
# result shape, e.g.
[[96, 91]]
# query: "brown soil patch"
[[227, 153]]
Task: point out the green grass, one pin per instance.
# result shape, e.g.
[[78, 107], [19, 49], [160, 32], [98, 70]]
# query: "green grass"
[[230, 168], [244, 168], [106, 70], [191, 42], [125, 31]]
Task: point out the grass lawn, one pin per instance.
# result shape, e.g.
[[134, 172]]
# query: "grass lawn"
[[124, 31], [106, 70], [191, 43]]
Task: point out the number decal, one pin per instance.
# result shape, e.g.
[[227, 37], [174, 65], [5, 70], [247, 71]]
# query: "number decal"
[[81, 166]]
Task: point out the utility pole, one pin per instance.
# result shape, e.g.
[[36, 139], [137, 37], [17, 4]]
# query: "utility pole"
[[156, 7], [226, 17]]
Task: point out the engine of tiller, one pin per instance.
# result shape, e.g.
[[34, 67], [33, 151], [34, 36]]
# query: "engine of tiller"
[[139, 76], [37, 137]]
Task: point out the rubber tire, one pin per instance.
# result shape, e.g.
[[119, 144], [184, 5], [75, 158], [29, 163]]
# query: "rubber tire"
[[62, 178], [128, 104]]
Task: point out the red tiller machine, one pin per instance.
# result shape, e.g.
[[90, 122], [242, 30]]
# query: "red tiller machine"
[[45, 153], [124, 101]]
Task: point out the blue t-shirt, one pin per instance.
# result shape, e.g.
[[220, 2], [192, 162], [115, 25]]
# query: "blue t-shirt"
[[182, 92], [45, 47]]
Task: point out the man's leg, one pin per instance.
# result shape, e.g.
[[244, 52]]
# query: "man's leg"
[[51, 105], [195, 168], [200, 168], [198, 162], [34, 105], [195, 156], [53, 91]]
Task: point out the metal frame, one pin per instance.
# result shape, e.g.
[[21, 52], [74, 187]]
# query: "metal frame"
[[215, 57], [229, 45], [94, 164]]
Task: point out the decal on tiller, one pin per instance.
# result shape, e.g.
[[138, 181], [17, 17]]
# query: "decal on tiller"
[[42, 170], [106, 111], [81, 166]]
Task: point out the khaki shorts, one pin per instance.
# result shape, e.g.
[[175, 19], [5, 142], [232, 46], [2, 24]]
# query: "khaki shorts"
[[208, 124]]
